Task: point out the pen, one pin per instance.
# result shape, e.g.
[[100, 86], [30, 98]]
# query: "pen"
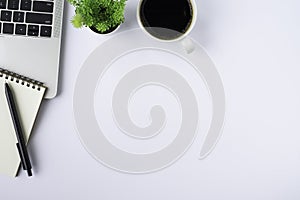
[[21, 146]]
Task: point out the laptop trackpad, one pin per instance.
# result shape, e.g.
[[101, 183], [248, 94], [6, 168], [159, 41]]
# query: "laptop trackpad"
[[37, 58]]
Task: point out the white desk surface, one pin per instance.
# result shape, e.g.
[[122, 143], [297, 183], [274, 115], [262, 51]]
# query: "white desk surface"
[[256, 47]]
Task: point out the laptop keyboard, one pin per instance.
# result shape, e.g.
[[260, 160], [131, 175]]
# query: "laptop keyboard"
[[26, 17]]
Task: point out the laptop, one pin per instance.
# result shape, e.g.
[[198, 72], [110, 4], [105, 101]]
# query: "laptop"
[[30, 39]]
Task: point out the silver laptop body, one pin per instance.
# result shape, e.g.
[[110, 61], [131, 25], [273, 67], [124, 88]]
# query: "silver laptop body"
[[30, 39]]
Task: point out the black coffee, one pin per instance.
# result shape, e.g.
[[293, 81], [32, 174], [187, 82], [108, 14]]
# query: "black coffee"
[[166, 19]]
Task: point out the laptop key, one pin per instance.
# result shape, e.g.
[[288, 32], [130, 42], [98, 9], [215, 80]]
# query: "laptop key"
[[18, 17], [26, 5], [2, 4], [20, 29], [33, 30], [37, 18], [46, 31], [43, 6], [6, 16], [13, 4], [8, 28]]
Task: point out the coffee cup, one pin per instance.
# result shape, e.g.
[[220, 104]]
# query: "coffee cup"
[[168, 20]]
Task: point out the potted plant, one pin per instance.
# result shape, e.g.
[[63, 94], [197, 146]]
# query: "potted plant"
[[101, 16]]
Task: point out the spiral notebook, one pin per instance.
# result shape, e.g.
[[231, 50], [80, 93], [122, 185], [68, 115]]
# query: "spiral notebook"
[[28, 95]]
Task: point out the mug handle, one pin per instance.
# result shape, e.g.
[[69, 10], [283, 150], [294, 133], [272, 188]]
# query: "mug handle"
[[188, 45]]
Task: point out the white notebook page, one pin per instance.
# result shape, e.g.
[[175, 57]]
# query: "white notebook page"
[[27, 100]]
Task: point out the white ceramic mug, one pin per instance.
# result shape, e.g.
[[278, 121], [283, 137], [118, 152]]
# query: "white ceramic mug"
[[187, 43]]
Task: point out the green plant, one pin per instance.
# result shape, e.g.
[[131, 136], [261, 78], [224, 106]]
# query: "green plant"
[[100, 14]]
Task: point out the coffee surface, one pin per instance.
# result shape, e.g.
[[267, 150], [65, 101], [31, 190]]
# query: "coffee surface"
[[166, 19]]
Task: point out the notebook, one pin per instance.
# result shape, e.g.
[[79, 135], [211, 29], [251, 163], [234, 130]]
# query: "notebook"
[[28, 95]]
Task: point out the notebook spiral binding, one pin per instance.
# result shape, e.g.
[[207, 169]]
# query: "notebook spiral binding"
[[23, 80]]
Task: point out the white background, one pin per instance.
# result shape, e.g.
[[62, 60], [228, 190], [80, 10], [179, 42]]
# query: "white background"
[[255, 45]]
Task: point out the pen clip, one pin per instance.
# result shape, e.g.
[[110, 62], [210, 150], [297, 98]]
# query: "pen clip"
[[21, 156]]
